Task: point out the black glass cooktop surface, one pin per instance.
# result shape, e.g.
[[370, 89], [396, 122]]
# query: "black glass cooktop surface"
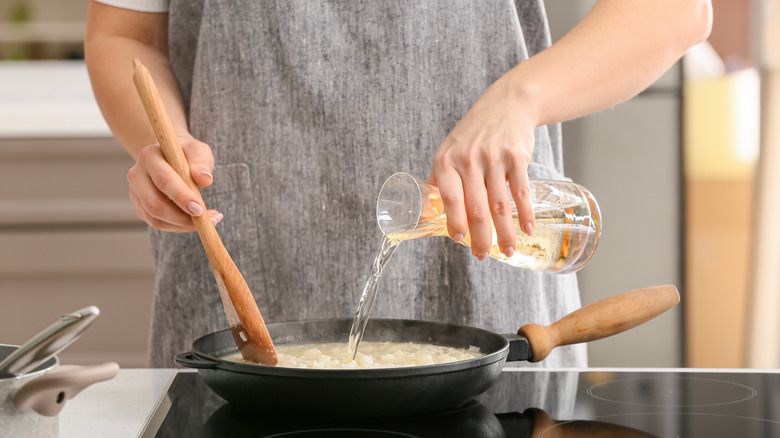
[[524, 403]]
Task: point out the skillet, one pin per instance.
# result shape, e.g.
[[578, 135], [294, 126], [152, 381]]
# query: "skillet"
[[407, 391]]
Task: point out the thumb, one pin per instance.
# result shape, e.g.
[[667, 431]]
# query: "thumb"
[[201, 160]]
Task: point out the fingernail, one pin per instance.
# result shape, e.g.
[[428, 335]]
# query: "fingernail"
[[206, 172], [482, 255], [195, 208], [528, 229], [457, 238], [509, 251], [216, 218]]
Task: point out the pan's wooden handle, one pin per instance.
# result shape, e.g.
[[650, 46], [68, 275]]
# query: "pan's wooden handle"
[[606, 317], [246, 322], [544, 425]]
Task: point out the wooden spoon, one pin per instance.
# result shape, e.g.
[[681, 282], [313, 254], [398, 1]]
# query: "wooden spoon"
[[246, 323]]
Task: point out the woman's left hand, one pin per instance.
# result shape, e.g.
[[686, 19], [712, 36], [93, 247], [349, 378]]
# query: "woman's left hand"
[[490, 146]]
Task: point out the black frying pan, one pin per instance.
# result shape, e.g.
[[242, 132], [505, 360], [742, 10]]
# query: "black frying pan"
[[396, 392]]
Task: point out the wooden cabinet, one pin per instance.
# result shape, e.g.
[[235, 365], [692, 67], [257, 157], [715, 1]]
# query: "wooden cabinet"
[[69, 238]]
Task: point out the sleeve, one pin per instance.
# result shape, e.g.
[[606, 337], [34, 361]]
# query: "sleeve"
[[139, 5]]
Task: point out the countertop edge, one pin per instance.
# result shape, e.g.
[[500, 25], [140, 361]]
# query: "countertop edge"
[[121, 407]]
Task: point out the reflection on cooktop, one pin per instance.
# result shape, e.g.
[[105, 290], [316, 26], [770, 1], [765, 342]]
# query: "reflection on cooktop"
[[473, 420], [340, 433], [525, 403], [689, 425]]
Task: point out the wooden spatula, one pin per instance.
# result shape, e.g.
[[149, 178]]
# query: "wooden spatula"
[[246, 323]]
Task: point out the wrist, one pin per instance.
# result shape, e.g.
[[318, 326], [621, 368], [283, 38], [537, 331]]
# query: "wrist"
[[525, 92]]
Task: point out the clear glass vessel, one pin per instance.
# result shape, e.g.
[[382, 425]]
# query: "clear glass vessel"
[[567, 231]]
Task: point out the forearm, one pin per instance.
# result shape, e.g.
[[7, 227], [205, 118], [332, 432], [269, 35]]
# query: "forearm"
[[109, 56], [616, 51]]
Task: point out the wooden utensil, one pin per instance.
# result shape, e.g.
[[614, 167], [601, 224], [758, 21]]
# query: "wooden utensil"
[[246, 323], [544, 426], [606, 317]]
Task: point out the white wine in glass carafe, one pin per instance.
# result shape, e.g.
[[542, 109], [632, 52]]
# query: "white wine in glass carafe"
[[568, 222]]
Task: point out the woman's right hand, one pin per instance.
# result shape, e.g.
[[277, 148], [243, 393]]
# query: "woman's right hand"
[[161, 198]]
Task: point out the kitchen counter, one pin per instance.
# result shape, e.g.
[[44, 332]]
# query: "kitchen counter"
[[122, 407], [659, 401]]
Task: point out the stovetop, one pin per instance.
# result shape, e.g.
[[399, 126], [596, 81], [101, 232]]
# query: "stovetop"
[[525, 403]]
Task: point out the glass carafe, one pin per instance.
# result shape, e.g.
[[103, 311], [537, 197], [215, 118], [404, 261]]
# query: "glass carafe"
[[568, 222]]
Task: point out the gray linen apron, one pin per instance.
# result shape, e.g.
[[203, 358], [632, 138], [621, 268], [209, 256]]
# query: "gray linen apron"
[[309, 106]]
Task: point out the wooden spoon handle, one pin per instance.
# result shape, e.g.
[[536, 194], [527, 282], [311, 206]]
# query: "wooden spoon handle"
[[174, 155], [606, 317], [163, 128], [246, 322]]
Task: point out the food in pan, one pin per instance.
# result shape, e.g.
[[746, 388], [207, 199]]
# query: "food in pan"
[[370, 355]]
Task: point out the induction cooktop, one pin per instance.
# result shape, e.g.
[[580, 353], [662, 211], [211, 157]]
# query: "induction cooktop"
[[524, 403]]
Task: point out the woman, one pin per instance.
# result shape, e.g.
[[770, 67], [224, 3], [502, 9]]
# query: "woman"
[[293, 113]]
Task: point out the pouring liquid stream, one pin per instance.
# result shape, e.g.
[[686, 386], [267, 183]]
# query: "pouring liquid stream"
[[367, 299], [568, 225], [554, 241]]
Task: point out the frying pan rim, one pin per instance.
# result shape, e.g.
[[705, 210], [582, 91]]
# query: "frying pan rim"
[[351, 374], [489, 358]]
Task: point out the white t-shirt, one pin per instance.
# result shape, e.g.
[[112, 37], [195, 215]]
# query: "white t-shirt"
[[139, 5]]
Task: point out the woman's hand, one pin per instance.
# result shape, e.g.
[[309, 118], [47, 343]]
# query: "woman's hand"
[[490, 146], [115, 37], [161, 198], [617, 50]]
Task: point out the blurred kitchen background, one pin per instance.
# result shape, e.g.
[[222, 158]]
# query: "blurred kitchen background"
[[686, 175]]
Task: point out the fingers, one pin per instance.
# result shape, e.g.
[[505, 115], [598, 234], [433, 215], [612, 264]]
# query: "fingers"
[[521, 193], [478, 212], [451, 190], [201, 160], [151, 205], [475, 198], [488, 149], [161, 197], [501, 212], [477, 203]]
